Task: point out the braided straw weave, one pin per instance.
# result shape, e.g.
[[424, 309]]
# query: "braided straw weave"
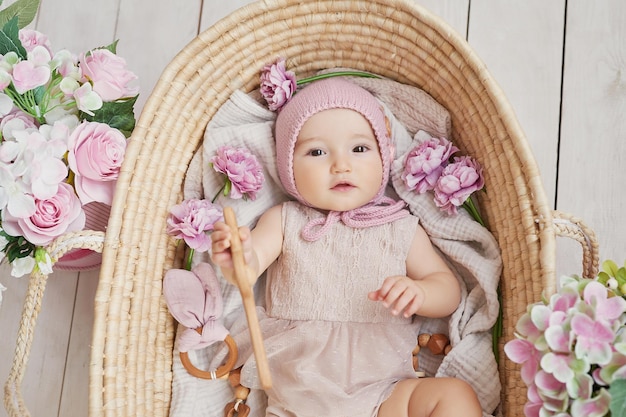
[[131, 365]]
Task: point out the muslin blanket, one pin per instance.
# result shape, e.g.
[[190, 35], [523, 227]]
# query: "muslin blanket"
[[470, 250]]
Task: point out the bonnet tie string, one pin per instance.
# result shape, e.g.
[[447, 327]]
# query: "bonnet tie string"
[[383, 211]]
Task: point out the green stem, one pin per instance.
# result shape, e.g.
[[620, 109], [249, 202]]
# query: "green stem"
[[219, 192], [189, 259], [473, 211], [336, 74]]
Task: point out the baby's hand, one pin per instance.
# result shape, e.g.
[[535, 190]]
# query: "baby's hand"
[[400, 293], [220, 248]]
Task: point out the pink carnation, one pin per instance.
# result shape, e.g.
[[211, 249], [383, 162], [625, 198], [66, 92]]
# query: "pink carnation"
[[277, 84], [62, 213], [191, 219], [457, 182], [96, 152], [108, 74], [244, 174], [425, 163]]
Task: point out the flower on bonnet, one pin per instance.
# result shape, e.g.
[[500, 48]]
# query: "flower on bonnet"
[[191, 219], [244, 173], [277, 84], [457, 182], [425, 163]]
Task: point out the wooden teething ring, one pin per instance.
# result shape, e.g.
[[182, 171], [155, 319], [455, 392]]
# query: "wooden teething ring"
[[219, 372]]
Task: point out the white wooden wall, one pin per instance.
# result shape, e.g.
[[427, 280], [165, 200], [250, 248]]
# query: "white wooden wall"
[[562, 64]]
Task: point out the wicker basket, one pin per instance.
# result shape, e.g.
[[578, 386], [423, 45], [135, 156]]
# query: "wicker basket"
[[133, 334]]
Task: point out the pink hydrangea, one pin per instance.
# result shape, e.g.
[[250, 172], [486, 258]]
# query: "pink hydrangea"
[[96, 152], [572, 349], [244, 173], [457, 182], [277, 84], [191, 219], [27, 76], [425, 163], [31, 38]]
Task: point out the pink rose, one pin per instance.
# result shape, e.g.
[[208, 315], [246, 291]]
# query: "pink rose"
[[457, 182], [277, 84], [108, 74], [96, 152], [244, 174], [62, 213], [190, 220], [425, 163]]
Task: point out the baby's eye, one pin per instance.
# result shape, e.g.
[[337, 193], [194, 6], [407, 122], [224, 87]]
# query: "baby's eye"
[[360, 148], [316, 152]]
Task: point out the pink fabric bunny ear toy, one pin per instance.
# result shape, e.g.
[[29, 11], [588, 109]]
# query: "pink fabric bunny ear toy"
[[194, 298]]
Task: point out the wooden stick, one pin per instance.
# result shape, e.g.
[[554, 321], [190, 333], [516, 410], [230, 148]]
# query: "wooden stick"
[[242, 279]]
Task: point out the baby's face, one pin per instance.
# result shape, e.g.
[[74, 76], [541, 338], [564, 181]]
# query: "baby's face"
[[336, 162]]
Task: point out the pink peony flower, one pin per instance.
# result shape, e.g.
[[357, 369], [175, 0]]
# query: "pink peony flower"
[[53, 217], [425, 163], [96, 152], [277, 84], [244, 174], [457, 182], [191, 219], [108, 74]]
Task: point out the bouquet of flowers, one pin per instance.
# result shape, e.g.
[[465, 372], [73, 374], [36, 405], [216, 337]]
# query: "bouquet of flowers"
[[192, 219], [64, 123], [572, 348], [430, 167]]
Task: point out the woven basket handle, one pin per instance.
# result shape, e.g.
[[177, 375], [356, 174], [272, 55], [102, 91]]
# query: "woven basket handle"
[[567, 225], [13, 400]]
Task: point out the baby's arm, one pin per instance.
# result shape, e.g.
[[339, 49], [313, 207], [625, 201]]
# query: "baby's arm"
[[430, 289], [261, 246]]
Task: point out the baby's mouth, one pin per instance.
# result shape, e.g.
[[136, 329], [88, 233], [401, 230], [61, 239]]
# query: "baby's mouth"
[[342, 186]]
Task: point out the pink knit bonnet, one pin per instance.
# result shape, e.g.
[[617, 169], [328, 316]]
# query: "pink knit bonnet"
[[336, 93]]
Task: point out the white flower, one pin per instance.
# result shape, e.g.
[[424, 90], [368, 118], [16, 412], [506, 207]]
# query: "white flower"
[[22, 266], [13, 195], [2, 288], [44, 262], [87, 100]]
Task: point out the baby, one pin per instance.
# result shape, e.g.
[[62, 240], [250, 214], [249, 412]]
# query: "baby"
[[349, 270]]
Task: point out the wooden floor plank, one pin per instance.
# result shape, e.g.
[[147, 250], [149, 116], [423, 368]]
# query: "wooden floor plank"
[[593, 150], [43, 378], [521, 43]]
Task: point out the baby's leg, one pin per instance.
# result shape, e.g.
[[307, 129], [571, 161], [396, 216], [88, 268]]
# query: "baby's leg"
[[431, 397]]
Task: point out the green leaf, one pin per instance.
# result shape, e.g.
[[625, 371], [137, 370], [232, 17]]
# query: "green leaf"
[[618, 398], [609, 267], [118, 114], [10, 40], [621, 276], [25, 10], [603, 277]]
